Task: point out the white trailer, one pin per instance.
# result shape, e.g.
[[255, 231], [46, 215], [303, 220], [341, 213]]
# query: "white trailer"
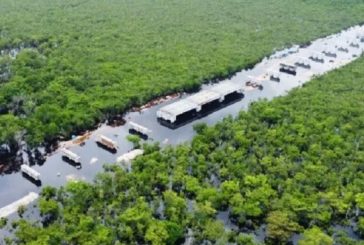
[[71, 156], [30, 172], [107, 142], [139, 128]]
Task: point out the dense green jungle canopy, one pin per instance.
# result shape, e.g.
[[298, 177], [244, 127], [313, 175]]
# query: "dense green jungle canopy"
[[82, 61], [295, 164]]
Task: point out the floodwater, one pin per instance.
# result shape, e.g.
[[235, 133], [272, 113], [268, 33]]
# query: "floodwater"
[[56, 172]]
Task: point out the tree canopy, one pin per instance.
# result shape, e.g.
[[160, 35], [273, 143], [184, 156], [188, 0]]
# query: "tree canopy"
[[299, 174], [79, 62]]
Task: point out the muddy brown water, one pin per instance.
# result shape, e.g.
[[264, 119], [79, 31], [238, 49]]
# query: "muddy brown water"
[[56, 172]]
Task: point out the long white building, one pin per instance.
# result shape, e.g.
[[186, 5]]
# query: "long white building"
[[194, 103]]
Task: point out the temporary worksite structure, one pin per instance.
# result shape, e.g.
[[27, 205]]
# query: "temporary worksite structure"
[[30, 172], [139, 128], [71, 156], [172, 111], [226, 88], [204, 97], [195, 102], [105, 141]]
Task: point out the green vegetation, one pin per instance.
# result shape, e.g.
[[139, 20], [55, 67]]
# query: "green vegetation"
[[3, 222], [87, 60], [21, 210], [315, 236], [295, 164], [135, 139]]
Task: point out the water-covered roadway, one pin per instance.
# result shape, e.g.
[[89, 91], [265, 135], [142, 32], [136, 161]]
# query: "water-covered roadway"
[[56, 172]]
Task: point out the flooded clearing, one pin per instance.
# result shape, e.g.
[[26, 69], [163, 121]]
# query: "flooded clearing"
[[272, 77]]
